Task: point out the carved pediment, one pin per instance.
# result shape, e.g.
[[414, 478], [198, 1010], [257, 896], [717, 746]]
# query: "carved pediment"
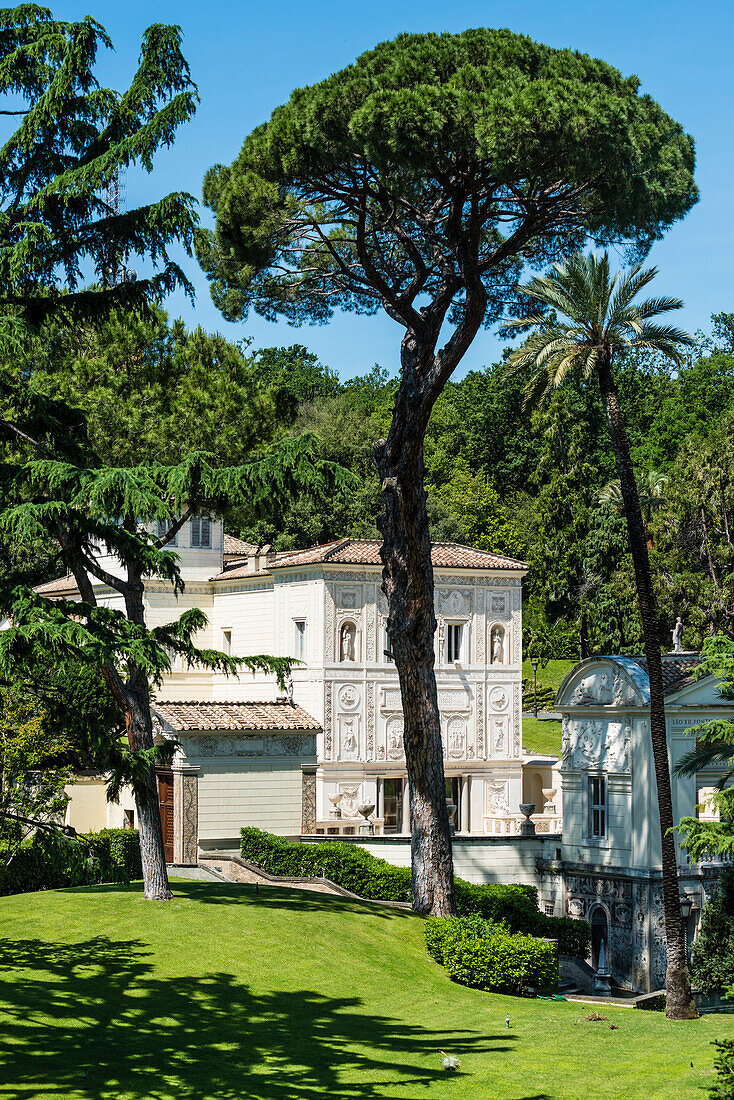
[[605, 683]]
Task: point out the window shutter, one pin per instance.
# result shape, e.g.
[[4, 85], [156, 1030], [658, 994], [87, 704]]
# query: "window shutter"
[[206, 532]]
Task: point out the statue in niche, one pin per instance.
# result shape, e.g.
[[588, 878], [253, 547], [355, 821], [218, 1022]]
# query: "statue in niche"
[[348, 642], [678, 636], [497, 640]]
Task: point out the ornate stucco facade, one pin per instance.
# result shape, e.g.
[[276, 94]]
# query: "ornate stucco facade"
[[325, 607]]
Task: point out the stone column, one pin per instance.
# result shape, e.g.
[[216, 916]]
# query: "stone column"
[[464, 811], [185, 813], [308, 799]]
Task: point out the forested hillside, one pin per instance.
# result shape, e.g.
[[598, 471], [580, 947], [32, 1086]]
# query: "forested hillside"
[[540, 485], [535, 484]]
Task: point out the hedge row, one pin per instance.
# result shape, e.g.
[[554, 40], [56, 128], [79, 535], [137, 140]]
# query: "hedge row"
[[49, 860], [355, 869], [485, 955]]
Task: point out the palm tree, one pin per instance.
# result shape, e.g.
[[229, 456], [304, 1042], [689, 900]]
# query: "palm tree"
[[593, 318], [652, 496]]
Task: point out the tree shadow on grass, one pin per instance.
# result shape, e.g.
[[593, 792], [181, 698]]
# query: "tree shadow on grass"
[[269, 897], [94, 1018]]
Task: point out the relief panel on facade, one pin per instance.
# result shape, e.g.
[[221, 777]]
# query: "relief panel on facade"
[[603, 688], [496, 797], [456, 737], [454, 601], [597, 743], [394, 737], [351, 798], [349, 736]]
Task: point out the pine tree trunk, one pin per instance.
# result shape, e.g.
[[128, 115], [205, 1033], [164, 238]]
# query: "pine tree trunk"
[[408, 585], [679, 1002], [150, 831]]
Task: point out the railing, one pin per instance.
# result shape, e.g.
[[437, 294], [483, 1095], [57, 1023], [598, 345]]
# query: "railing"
[[509, 824]]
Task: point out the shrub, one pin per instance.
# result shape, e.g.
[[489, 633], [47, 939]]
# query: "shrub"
[[723, 1089], [712, 968], [49, 860], [442, 932], [483, 955], [514, 906]]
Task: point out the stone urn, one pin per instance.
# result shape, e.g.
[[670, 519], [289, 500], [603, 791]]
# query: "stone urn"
[[527, 809], [366, 827], [549, 794], [335, 799]]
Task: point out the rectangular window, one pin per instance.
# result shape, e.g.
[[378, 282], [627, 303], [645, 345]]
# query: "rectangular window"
[[453, 642], [386, 651], [201, 532], [162, 528], [227, 642], [300, 625], [453, 795], [598, 806], [392, 805]]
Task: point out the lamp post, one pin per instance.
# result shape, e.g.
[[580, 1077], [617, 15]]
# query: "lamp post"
[[686, 905], [534, 663]]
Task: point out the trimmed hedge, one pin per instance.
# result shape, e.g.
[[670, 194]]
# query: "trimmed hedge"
[[483, 955], [350, 866], [49, 860]]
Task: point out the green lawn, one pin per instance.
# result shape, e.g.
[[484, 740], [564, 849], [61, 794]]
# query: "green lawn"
[[544, 734], [288, 995], [550, 675], [541, 734]]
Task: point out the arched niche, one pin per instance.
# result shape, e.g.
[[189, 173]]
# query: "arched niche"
[[348, 641], [498, 643]]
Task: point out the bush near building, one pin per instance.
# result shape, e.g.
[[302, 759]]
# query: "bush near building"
[[485, 955], [50, 860], [712, 968], [349, 866]]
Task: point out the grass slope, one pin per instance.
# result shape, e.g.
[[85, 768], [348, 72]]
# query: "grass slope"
[[544, 734], [288, 995]]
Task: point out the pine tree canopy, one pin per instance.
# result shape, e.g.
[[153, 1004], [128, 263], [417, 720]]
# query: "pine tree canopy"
[[59, 228], [429, 172]]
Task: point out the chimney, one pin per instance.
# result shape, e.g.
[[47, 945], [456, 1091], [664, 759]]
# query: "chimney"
[[264, 556]]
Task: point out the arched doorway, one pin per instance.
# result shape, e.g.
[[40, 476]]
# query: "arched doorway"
[[599, 932]]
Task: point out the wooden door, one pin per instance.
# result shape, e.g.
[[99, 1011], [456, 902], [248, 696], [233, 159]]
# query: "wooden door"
[[165, 801]]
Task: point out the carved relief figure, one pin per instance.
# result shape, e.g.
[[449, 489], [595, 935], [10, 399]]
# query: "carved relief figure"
[[499, 736], [395, 738], [348, 642], [349, 697], [350, 799], [349, 737], [456, 736], [497, 645], [496, 797], [498, 698]]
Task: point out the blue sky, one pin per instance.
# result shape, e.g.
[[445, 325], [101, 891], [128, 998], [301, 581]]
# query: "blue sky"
[[247, 56]]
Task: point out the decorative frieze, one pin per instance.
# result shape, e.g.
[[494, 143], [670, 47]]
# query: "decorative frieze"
[[479, 711], [370, 720], [596, 743], [248, 745], [328, 720]]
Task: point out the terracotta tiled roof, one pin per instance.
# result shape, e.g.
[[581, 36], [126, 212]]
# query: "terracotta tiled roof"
[[58, 586], [445, 555], [678, 671], [239, 547], [195, 715]]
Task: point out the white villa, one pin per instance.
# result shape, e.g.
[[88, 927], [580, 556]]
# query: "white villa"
[[301, 765]]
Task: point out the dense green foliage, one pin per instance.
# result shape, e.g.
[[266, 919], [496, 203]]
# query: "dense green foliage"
[[530, 487], [714, 749], [712, 967], [485, 955], [49, 860], [59, 167], [723, 1088], [352, 867], [395, 177]]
